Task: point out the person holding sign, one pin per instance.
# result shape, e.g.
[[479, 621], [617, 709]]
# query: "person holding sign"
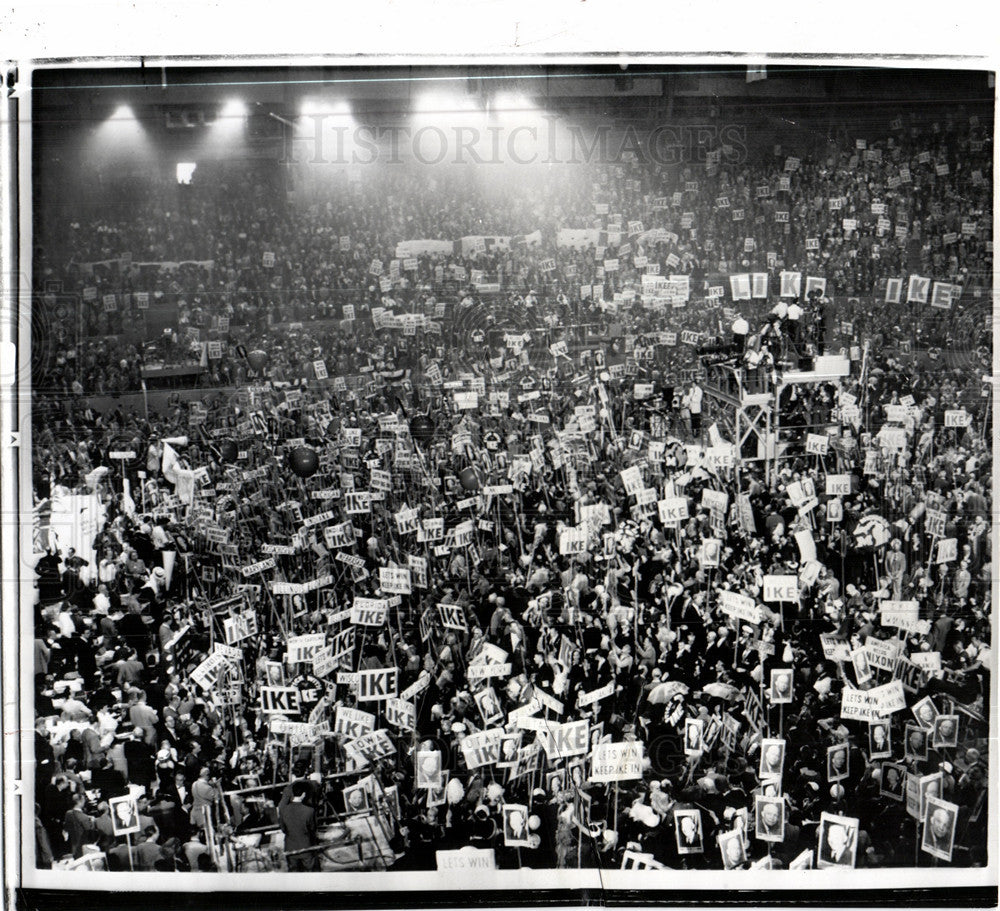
[[693, 404], [298, 822], [895, 567]]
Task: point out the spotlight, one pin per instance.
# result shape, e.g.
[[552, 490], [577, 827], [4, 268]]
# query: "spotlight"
[[234, 108], [511, 101], [315, 106], [436, 102]]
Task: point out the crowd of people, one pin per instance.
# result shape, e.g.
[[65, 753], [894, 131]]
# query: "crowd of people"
[[496, 572], [919, 199]]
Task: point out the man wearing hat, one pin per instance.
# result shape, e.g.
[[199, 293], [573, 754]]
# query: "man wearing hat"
[[154, 592]]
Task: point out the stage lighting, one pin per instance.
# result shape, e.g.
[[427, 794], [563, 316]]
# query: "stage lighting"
[[185, 171], [511, 101], [312, 107], [234, 108], [122, 112], [438, 102]]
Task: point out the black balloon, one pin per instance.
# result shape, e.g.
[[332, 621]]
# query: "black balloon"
[[257, 359], [422, 429], [229, 451], [304, 461], [469, 478]]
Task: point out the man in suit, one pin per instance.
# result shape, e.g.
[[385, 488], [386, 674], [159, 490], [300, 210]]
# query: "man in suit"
[[79, 826], [298, 822], [836, 847]]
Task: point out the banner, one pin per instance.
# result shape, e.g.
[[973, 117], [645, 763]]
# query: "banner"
[[740, 607], [412, 248], [376, 685], [465, 859], [781, 588], [482, 748], [564, 740], [352, 723], [283, 700], [616, 762], [578, 237], [369, 611]]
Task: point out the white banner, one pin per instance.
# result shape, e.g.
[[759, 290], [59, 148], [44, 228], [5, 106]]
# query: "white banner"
[[616, 762]]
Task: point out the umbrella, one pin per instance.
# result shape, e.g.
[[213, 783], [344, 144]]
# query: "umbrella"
[[722, 690], [664, 692]]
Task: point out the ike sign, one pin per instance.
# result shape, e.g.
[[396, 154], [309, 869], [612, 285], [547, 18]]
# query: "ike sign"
[[781, 588], [279, 699], [616, 762], [376, 685], [672, 509], [564, 740]]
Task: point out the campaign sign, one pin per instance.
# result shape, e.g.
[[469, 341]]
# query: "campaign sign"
[[401, 714], [673, 509], [781, 588], [901, 614], [838, 485], [477, 672], [585, 699], [369, 611], [564, 740], [817, 444], [282, 700], [417, 687], [376, 684], [352, 723], [859, 705], [882, 654], [482, 748], [616, 762], [466, 859], [302, 648], [452, 616], [740, 607]]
